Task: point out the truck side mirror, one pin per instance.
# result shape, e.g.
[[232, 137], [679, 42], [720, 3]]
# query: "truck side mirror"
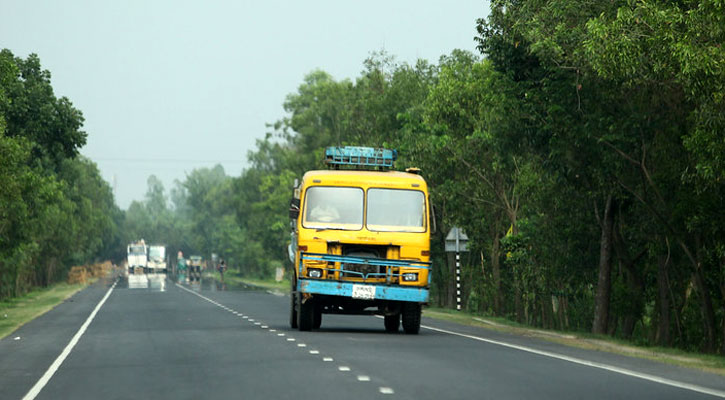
[[294, 208]]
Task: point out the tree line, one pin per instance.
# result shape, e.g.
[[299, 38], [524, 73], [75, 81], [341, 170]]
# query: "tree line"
[[580, 148], [55, 209]]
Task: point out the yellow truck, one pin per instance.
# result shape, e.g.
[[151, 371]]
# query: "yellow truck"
[[360, 240]]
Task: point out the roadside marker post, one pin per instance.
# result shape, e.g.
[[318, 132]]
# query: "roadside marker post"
[[457, 241]]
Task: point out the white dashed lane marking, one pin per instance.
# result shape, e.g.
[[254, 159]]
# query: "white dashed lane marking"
[[341, 368]]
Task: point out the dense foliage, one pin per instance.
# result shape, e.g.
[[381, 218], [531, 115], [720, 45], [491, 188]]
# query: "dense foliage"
[[55, 209]]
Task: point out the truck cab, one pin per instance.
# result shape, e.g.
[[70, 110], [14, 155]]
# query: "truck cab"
[[157, 262], [137, 257], [361, 241]]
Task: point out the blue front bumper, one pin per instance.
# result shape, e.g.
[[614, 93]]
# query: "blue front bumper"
[[345, 289]]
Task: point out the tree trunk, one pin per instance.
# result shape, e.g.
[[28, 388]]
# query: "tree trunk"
[[663, 322], [708, 314], [496, 268], [451, 280], [722, 296], [518, 304], [636, 290], [563, 316], [604, 283], [706, 307]]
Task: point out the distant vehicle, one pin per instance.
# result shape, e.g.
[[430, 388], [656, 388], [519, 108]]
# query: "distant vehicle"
[[195, 264], [361, 240], [157, 259], [137, 257]]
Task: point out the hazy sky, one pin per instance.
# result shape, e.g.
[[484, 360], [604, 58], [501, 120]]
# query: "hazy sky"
[[169, 86]]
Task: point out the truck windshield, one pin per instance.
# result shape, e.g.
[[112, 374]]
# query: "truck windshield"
[[333, 208], [396, 210], [137, 250], [156, 252]]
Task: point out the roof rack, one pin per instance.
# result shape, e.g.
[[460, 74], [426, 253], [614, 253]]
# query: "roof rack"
[[360, 157]]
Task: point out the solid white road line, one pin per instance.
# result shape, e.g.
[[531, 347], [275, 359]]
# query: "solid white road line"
[[593, 364], [35, 390]]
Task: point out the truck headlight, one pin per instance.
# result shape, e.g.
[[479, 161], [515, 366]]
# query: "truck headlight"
[[314, 273], [410, 276]]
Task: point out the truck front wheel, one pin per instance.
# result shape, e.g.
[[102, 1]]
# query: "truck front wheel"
[[305, 313], [293, 306], [411, 318]]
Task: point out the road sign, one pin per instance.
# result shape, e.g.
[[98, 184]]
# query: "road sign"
[[456, 240]]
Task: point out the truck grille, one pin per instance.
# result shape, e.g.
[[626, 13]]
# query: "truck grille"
[[355, 270]]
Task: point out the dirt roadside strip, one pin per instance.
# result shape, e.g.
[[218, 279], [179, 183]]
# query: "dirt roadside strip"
[[708, 363], [18, 311]]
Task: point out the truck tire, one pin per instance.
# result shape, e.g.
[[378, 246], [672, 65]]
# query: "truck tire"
[[305, 313], [411, 318], [293, 307], [392, 323]]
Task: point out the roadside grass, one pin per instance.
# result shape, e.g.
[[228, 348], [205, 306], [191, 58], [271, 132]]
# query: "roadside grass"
[[18, 311], [234, 277], [705, 362]]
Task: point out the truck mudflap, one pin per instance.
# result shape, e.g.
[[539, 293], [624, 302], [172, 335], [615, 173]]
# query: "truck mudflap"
[[363, 291]]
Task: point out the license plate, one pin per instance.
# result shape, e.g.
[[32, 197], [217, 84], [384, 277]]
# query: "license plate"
[[364, 292]]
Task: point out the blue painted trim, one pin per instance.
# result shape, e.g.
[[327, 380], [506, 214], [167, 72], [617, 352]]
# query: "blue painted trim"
[[386, 262], [382, 292]]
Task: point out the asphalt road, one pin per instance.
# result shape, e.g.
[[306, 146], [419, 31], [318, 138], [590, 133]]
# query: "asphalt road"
[[159, 340]]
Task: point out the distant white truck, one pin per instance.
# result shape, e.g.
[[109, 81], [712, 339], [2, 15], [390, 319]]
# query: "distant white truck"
[[137, 257], [157, 259]]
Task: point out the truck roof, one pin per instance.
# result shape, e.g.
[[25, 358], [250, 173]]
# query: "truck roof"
[[367, 178]]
